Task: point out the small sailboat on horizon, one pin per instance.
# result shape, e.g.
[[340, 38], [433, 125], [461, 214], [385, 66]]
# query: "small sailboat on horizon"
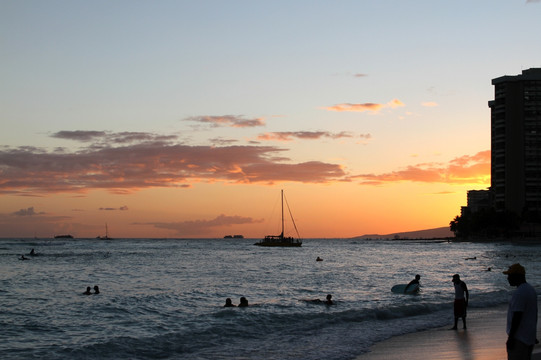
[[106, 237], [281, 240]]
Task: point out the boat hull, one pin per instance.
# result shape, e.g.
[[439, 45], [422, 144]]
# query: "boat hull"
[[279, 241], [275, 244]]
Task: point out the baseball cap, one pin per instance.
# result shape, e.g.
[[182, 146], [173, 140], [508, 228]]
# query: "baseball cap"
[[515, 269]]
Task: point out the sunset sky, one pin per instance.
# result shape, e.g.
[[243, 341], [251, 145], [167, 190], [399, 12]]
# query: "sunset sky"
[[186, 118]]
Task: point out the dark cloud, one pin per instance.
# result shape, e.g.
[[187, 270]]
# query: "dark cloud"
[[228, 120], [79, 135], [124, 168], [122, 208], [198, 227], [221, 142], [27, 212], [100, 137]]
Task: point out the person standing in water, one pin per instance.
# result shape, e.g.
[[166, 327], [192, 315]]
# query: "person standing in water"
[[462, 297], [413, 282]]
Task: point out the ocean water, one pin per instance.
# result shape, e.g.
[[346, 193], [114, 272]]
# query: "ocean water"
[[163, 299]]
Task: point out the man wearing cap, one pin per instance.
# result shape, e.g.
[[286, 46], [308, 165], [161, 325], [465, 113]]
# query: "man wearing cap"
[[462, 297], [521, 315]]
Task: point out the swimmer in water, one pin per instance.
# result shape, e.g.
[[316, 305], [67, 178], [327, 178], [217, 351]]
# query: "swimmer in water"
[[87, 292], [243, 302], [328, 300]]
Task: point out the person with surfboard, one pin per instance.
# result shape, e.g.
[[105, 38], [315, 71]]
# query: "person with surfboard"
[[462, 297], [414, 282]]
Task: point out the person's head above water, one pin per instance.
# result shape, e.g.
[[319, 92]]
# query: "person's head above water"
[[243, 301]]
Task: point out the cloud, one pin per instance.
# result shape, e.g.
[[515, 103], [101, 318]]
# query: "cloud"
[[532, 1], [198, 227], [373, 107], [221, 141], [104, 137], [306, 135], [153, 162], [429, 104], [79, 135], [122, 208], [359, 75], [27, 212], [462, 170], [228, 120]]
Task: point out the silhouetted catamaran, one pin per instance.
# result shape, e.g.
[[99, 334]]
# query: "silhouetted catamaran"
[[281, 240]]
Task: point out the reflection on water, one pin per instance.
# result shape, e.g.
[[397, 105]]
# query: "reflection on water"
[[163, 298]]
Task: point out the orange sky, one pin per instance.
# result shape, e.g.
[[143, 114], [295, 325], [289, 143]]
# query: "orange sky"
[[185, 119]]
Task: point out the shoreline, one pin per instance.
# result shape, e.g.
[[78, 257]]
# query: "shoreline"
[[483, 340]]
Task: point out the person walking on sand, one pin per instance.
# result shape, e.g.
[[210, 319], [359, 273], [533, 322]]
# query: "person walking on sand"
[[521, 315], [462, 297]]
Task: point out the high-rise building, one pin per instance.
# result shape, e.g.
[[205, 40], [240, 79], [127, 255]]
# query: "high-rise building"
[[516, 144]]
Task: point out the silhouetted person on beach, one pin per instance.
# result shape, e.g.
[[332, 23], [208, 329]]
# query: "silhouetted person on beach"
[[413, 282], [228, 303], [243, 302], [462, 296], [521, 315], [87, 292], [96, 289]]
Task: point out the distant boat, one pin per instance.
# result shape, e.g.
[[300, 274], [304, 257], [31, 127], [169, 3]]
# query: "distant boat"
[[234, 237], [106, 237], [281, 240], [65, 236]]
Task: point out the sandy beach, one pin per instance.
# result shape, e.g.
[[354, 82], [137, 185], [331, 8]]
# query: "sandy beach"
[[483, 340]]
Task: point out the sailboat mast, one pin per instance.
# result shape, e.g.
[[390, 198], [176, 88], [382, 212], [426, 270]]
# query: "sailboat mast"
[[282, 197]]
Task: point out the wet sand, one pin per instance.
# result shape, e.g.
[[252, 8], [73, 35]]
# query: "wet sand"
[[483, 340]]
